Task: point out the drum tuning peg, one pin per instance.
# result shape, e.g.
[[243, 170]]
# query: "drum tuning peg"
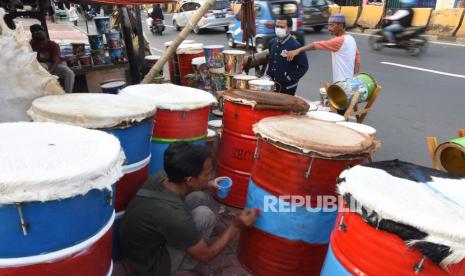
[[23, 223], [340, 179], [342, 226], [110, 199], [417, 268], [256, 155], [183, 115], [308, 173]]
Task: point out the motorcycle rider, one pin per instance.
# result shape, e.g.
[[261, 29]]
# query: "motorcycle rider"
[[400, 20], [157, 13]]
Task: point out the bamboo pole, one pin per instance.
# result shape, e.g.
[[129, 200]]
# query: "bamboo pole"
[[179, 39]]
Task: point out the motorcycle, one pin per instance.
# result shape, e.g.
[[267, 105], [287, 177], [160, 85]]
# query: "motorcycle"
[[410, 39], [157, 26]]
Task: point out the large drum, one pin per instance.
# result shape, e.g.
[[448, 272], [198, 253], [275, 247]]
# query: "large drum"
[[186, 53], [297, 163], [398, 219], [182, 115], [242, 109], [130, 120], [56, 204]]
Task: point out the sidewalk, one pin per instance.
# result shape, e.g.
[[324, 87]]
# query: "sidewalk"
[[60, 32]]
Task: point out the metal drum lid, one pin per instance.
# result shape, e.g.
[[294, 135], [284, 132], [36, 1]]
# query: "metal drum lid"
[[314, 137]]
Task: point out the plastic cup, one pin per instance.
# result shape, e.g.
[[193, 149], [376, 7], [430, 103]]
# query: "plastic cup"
[[225, 184]]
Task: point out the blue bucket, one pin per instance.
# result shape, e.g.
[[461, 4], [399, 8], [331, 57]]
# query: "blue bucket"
[[102, 24]]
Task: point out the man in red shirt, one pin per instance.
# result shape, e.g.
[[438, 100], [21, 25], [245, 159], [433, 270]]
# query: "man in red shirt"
[[48, 54]]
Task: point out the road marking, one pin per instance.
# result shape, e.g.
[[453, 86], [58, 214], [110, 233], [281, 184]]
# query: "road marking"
[[155, 49], [169, 26], [433, 42], [424, 70]]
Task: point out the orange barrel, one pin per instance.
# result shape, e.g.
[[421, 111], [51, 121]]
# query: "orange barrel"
[[398, 219], [296, 166], [182, 115], [242, 109], [185, 53], [173, 61]]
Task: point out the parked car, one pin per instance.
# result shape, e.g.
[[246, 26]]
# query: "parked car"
[[219, 15], [266, 13], [316, 13]]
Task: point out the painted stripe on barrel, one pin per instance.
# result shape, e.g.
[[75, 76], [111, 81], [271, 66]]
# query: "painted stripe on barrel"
[[49, 257], [332, 266], [170, 141], [298, 225], [136, 166]]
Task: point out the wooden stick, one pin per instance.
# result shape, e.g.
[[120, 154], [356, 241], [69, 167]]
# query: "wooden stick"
[[179, 39], [370, 102], [432, 144], [353, 103], [461, 132]]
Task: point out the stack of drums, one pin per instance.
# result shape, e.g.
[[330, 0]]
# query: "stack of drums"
[[233, 65], [241, 110], [173, 63], [98, 50], [150, 61], [182, 115], [298, 161], [130, 120], [398, 219], [56, 203], [115, 46], [186, 53], [215, 62], [201, 73]]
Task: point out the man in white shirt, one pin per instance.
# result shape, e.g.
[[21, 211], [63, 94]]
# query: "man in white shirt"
[[344, 52]]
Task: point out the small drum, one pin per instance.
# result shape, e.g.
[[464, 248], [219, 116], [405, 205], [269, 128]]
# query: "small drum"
[[261, 85], [408, 220], [215, 125], [112, 86], [114, 39], [214, 56], [229, 81], [200, 69], [191, 81], [298, 158], [96, 42], [185, 53], [58, 217], [217, 78], [72, 61], [182, 115], [450, 156], [242, 109], [233, 62], [99, 57], [340, 93], [102, 24], [242, 81], [116, 54], [78, 48], [173, 62], [326, 116], [85, 60], [368, 130]]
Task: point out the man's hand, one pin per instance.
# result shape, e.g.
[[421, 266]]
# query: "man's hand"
[[212, 184], [291, 54], [246, 218]]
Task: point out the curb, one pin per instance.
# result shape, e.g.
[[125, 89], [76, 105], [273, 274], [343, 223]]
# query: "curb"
[[449, 39]]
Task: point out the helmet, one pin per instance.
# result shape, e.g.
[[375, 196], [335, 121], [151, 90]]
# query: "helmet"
[[408, 3]]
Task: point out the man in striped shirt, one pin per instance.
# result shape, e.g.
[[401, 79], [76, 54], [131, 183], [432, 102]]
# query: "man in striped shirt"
[[344, 52]]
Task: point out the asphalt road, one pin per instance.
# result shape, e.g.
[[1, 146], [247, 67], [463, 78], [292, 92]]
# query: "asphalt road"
[[413, 104]]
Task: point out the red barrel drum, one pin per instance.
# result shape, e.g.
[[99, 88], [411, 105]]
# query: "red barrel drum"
[[185, 53], [173, 62], [242, 109], [297, 162], [395, 196]]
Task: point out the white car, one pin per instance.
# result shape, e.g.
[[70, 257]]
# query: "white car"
[[220, 15]]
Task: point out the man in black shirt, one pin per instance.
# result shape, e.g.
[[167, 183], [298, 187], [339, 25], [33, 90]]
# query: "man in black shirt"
[[165, 227]]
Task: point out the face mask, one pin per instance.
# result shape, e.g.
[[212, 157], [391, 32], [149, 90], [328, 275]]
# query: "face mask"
[[280, 32]]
